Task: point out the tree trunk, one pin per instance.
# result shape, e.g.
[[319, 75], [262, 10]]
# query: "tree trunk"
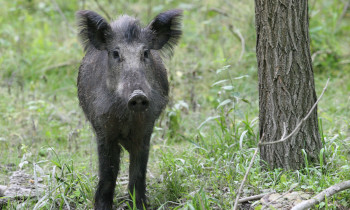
[[286, 83]]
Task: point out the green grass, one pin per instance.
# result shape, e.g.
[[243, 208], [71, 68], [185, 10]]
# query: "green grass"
[[203, 142]]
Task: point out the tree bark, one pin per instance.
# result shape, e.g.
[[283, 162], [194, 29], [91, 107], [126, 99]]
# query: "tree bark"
[[286, 83]]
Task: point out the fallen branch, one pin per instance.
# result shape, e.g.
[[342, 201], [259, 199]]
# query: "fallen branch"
[[253, 198], [244, 179], [300, 123], [321, 196]]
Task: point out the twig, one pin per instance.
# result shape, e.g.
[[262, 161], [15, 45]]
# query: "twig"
[[244, 179], [240, 36], [321, 196], [36, 181], [284, 130], [313, 5], [300, 123], [58, 65], [230, 3], [318, 53], [122, 182], [83, 4], [221, 12], [103, 10], [345, 9], [344, 62], [253, 198], [63, 16]]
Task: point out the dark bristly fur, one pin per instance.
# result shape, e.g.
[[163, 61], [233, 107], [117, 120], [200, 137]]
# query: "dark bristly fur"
[[91, 28], [167, 25], [132, 32], [122, 89]]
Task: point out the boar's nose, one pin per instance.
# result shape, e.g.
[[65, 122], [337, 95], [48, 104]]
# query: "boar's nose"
[[138, 101]]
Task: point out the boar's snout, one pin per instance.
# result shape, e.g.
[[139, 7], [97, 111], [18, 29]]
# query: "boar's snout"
[[138, 101]]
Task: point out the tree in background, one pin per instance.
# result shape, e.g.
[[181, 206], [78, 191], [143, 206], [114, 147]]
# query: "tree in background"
[[286, 83]]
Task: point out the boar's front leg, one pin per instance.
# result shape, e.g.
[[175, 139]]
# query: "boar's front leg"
[[109, 158], [137, 171]]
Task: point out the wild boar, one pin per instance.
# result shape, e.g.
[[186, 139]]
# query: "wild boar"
[[122, 89]]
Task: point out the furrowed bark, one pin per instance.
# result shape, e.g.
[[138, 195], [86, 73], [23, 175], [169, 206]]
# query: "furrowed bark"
[[286, 83]]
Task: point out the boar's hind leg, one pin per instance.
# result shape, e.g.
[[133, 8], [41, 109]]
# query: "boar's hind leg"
[[109, 157], [137, 172]]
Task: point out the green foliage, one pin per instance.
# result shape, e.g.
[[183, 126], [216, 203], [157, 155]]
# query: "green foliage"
[[67, 186], [206, 137], [325, 30]]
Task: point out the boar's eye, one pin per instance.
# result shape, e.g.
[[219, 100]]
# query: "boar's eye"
[[146, 54], [116, 54]]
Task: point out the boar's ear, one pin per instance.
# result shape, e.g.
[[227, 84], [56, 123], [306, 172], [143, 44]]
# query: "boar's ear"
[[94, 30], [166, 31]]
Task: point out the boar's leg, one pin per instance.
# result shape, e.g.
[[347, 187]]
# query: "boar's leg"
[[109, 158], [137, 172]]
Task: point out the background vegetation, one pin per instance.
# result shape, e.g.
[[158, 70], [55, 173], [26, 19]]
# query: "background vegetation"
[[204, 140]]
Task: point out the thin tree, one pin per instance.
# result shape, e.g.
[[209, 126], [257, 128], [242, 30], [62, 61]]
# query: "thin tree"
[[286, 83]]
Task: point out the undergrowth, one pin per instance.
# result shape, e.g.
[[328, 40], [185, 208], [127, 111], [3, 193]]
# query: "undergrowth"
[[205, 139]]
